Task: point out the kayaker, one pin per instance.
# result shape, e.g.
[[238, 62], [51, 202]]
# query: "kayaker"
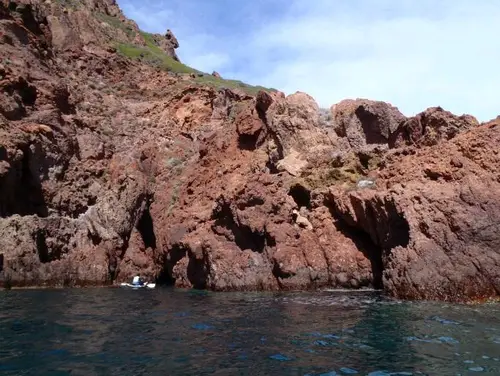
[[137, 281]]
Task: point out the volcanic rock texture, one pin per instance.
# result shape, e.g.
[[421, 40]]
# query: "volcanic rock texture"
[[116, 159]]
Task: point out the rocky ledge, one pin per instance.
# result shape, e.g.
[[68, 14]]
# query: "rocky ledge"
[[116, 159]]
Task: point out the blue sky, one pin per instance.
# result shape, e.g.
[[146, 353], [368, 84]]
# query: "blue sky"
[[412, 53]]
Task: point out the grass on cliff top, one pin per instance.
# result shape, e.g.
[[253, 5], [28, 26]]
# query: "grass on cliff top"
[[154, 55], [208, 79]]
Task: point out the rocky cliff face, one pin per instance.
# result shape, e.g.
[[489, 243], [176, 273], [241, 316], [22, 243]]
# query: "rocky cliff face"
[[115, 159]]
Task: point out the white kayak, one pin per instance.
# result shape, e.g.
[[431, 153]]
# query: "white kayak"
[[145, 285]]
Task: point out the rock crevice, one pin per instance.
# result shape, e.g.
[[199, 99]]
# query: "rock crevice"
[[128, 168]]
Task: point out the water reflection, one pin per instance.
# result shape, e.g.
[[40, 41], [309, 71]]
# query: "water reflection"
[[124, 332]]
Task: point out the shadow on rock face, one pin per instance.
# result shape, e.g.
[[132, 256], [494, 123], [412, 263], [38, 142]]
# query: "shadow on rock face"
[[28, 17], [243, 236], [301, 196], [375, 230], [248, 141], [197, 273], [165, 277], [145, 228], [21, 189], [41, 246], [181, 257], [369, 249]]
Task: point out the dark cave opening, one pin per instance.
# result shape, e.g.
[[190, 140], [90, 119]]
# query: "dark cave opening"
[[112, 266], [41, 247], [273, 170], [400, 230], [146, 229], [242, 235], [270, 240], [369, 249], [23, 194], [30, 194], [364, 159], [392, 225], [27, 92], [96, 239], [371, 126], [248, 141], [301, 196], [45, 252], [27, 14], [175, 254], [197, 273], [278, 273], [62, 100], [1, 262]]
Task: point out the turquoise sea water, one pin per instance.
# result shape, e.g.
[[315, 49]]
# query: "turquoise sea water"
[[173, 332]]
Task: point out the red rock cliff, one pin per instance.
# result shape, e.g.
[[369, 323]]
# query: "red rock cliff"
[[113, 162]]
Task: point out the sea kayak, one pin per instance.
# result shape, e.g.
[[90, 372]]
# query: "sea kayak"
[[145, 285]]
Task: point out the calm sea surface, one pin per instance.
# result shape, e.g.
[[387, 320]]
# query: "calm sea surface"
[[173, 332]]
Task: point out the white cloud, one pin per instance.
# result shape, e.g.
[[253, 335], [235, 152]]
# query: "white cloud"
[[412, 62], [155, 18], [411, 53], [209, 62]]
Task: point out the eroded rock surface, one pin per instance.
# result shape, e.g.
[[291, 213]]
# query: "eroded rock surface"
[[111, 166], [365, 123], [431, 126], [435, 218]]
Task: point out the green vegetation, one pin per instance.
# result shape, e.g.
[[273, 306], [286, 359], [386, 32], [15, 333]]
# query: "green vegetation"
[[339, 171], [151, 43], [220, 83], [332, 176], [346, 171], [154, 57]]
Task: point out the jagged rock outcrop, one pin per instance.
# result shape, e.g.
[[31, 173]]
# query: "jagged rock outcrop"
[[70, 196], [243, 234], [431, 126], [435, 218], [111, 166], [298, 140], [168, 43], [365, 123], [97, 26], [250, 239], [109, 7]]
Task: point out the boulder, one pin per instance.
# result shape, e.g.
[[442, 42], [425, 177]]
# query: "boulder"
[[364, 122], [430, 127]]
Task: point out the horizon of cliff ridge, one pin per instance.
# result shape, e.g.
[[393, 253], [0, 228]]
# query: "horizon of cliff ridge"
[[155, 56]]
